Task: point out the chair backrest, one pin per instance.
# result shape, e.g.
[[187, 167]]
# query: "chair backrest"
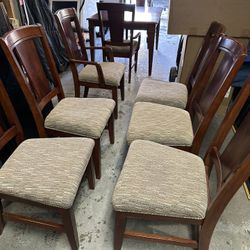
[[72, 34], [209, 45], [230, 55], [143, 2], [10, 128], [19, 46], [112, 15], [232, 164]]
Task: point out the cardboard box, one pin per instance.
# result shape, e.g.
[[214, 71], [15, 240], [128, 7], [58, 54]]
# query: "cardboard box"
[[193, 17]]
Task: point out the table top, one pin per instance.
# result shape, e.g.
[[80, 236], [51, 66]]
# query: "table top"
[[142, 15]]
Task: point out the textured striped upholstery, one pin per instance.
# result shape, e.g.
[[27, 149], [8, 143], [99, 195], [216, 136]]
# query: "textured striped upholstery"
[[123, 49], [160, 180], [112, 72], [81, 116], [166, 93], [47, 170], [159, 123]]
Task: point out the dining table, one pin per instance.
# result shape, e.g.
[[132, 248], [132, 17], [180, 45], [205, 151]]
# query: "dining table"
[[146, 18]]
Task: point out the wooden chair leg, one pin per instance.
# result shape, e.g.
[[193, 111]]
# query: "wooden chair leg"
[[157, 35], [69, 222], [195, 232], [104, 56], [205, 235], [77, 91], [115, 98], [90, 174], [120, 225], [111, 129], [129, 69], [97, 158], [122, 88], [136, 60], [2, 223], [86, 91]]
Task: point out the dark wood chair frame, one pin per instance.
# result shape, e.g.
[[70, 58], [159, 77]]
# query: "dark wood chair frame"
[[13, 131], [232, 169], [71, 32], [117, 27], [19, 48], [143, 2], [196, 80], [223, 66]]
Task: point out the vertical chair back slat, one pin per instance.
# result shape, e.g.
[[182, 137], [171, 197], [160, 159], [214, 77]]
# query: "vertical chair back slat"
[[204, 55], [71, 33], [39, 89], [34, 71], [235, 169], [113, 15], [237, 150], [230, 54]]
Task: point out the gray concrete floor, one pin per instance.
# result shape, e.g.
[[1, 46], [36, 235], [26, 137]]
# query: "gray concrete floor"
[[93, 209]]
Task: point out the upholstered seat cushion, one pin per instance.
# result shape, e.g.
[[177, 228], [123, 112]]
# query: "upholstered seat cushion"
[[112, 71], [166, 93], [81, 116], [124, 50], [47, 170], [160, 180], [159, 123]]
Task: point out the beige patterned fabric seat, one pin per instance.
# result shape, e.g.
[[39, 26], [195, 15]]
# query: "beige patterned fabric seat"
[[160, 180], [112, 71], [124, 49], [47, 170], [166, 93], [159, 123], [85, 117]]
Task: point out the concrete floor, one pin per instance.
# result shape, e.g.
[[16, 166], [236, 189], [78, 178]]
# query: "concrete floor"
[[93, 209]]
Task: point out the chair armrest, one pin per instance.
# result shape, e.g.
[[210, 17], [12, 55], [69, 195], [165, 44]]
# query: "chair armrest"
[[138, 35], [107, 49], [101, 79], [78, 61]]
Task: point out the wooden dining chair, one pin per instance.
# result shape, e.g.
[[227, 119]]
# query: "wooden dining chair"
[[112, 15], [179, 94], [86, 117], [43, 172], [104, 75], [160, 183], [186, 129]]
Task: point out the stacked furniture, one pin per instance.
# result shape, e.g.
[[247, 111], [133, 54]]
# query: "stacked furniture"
[[163, 178], [186, 128], [161, 183]]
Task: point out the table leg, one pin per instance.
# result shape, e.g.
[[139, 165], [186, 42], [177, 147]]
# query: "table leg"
[[151, 37], [92, 40], [157, 34]]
